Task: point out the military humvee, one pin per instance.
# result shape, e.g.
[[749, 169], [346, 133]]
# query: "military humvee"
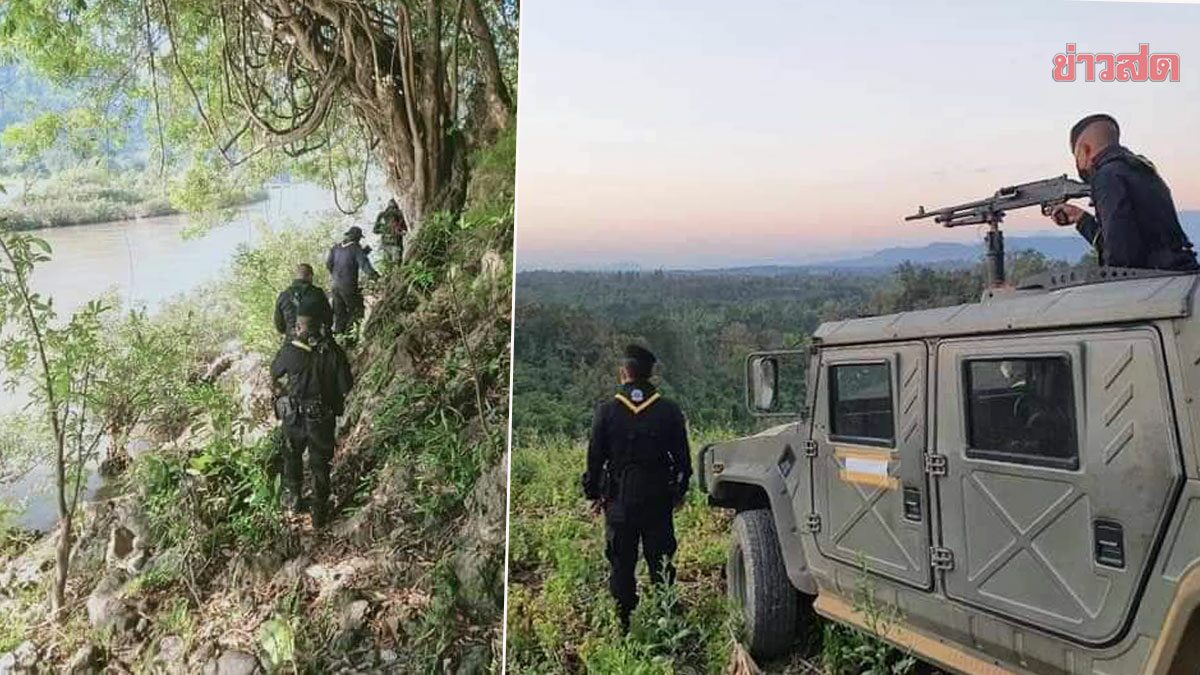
[[1018, 477]]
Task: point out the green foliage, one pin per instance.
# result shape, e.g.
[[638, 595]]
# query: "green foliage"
[[571, 327], [848, 651], [218, 492], [259, 273], [277, 637], [701, 325], [175, 618], [12, 631], [90, 193]]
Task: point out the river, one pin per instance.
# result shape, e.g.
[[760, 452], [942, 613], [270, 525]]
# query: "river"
[[146, 262]]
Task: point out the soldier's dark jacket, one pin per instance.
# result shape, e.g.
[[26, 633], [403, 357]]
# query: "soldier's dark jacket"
[[638, 456], [1136, 224], [344, 262], [317, 370], [301, 299]]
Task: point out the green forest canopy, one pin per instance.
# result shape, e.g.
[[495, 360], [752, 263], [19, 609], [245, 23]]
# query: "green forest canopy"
[[232, 93], [570, 327]]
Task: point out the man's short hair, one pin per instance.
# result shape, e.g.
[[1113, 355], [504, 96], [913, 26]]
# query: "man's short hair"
[[1077, 130], [639, 362]]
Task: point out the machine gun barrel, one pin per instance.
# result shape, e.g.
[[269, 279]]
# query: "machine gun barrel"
[[1047, 194]]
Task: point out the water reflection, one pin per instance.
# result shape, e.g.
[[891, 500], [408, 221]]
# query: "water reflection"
[[145, 262]]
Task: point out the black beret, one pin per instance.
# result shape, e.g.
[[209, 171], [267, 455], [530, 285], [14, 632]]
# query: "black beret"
[[640, 354], [1085, 122]]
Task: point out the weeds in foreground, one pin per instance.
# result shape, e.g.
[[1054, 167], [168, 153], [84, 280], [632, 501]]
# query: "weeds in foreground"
[[846, 651], [560, 616]]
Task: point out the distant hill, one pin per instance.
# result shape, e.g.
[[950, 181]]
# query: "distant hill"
[[944, 254]]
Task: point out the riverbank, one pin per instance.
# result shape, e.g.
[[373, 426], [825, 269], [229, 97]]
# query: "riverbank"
[[92, 195], [194, 567]]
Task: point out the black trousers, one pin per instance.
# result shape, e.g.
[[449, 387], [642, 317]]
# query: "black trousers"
[[654, 528], [316, 435], [347, 308]]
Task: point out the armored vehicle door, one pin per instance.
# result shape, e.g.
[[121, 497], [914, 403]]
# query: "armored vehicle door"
[[869, 487], [1061, 464]]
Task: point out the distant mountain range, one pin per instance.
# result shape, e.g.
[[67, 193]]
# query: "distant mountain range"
[[946, 255], [943, 254]]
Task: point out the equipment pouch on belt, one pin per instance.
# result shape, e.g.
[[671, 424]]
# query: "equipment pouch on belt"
[[284, 410], [312, 409]]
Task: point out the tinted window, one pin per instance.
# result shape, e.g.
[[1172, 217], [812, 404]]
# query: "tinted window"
[[861, 403], [1022, 411]]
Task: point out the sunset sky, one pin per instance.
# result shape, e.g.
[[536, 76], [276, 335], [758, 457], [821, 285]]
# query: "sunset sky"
[[696, 133]]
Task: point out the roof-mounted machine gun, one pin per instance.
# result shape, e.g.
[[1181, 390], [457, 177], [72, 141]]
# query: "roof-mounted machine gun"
[[1047, 194]]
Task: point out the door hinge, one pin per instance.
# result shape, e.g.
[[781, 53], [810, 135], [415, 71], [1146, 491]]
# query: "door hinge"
[[935, 464], [941, 558], [812, 523], [810, 448]]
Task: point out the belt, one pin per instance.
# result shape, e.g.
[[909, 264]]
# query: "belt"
[[312, 408]]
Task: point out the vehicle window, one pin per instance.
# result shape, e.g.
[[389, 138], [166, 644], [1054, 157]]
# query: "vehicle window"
[[1022, 411], [861, 403]]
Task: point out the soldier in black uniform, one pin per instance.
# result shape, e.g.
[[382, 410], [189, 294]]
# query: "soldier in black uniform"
[[302, 297], [1135, 224], [344, 262], [638, 467], [318, 379]]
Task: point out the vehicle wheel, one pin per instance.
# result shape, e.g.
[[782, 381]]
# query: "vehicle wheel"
[[758, 583]]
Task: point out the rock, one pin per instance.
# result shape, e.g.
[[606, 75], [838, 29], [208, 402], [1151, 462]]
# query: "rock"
[[333, 578], [290, 572], [200, 656], [476, 661], [20, 660], [120, 546], [479, 562], [249, 373], [22, 572], [27, 569], [354, 615], [171, 652], [86, 660], [128, 546], [106, 605], [233, 663], [387, 656]]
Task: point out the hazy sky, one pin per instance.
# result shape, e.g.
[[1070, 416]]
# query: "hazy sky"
[[701, 133]]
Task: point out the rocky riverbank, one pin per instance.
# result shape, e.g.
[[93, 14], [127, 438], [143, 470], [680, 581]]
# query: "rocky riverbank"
[[191, 567]]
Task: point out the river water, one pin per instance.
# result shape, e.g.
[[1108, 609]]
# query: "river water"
[[146, 262]]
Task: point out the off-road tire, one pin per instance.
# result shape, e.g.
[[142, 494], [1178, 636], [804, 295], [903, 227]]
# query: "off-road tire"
[[757, 582]]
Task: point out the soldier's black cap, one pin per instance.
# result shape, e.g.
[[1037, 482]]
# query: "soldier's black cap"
[[640, 355], [1086, 122], [354, 232]]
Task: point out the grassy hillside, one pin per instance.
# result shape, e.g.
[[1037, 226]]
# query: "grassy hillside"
[[560, 616], [562, 620]]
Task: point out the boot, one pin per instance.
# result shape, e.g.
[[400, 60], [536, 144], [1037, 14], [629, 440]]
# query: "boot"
[[623, 616]]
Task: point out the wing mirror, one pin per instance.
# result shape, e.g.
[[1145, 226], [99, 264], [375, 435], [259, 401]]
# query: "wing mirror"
[[775, 383], [764, 383]]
